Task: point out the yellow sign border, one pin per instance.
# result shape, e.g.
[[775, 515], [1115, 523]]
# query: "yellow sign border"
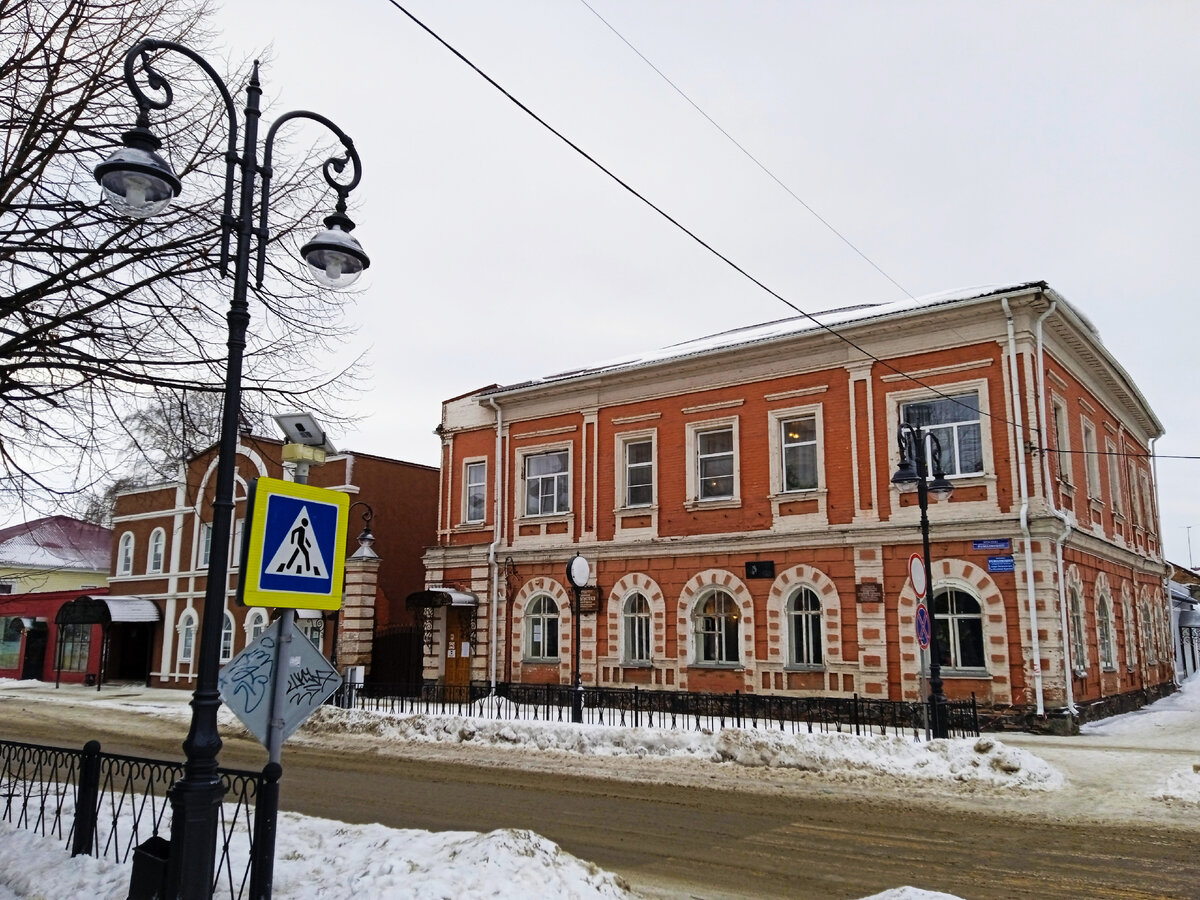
[[250, 590]]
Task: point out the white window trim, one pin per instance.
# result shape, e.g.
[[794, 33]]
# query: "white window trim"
[[1064, 471], [125, 559], [623, 631], [621, 472], [203, 544], [775, 420], [527, 631], [255, 615], [186, 617], [1114, 479], [693, 626], [1091, 459], [519, 501], [789, 634], [232, 630], [962, 586], [465, 506], [151, 568], [1105, 600], [692, 431]]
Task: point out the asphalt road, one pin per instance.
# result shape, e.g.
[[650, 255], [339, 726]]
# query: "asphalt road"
[[695, 841]]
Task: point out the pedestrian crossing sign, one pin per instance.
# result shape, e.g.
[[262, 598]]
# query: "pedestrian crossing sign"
[[295, 546]]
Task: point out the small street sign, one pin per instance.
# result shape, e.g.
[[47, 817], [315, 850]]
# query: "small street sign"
[[246, 682], [916, 574], [992, 544], [924, 630], [295, 546], [1001, 564]]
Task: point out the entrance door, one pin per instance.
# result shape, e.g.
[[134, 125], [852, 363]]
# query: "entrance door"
[[35, 652], [458, 652]]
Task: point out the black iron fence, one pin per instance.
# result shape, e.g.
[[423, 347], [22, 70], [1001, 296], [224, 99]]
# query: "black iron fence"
[[633, 707], [106, 805]]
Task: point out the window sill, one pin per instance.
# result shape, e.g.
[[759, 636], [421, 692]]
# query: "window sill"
[[724, 667], [798, 667], [649, 664], [715, 503], [540, 661], [977, 674], [462, 527], [546, 517]]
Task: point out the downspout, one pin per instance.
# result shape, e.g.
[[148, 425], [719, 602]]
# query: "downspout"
[[1054, 510], [1023, 485], [1172, 613], [497, 529]]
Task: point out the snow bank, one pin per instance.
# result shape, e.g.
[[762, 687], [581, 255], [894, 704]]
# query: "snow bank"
[[982, 761]]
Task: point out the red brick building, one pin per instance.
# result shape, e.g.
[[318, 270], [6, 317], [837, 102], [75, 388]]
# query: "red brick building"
[[161, 536], [733, 497]]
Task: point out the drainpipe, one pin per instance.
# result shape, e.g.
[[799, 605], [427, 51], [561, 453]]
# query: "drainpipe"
[[1023, 484], [1172, 613], [493, 565], [1054, 510]]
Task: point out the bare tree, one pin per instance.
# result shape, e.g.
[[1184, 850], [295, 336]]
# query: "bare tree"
[[105, 320]]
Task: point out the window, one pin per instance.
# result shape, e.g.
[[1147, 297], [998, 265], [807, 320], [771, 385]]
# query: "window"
[[541, 629], [9, 587], [475, 491], [959, 630], [636, 622], [1130, 634], [74, 647], [154, 555], [227, 638], [639, 473], [313, 629], [804, 628], [256, 624], [1062, 443], [798, 440], [1114, 477], [1078, 649], [125, 555], [1091, 460], [187, 636], [1149, 644], [1104, 632], [10, 642], [714, 464], [205, 544], [717, 619], [1147, 499], [547, 483], [955, 422], [235, 547]]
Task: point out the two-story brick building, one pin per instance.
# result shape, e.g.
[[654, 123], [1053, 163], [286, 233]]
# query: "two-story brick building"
[[733, 497], [162, 537]]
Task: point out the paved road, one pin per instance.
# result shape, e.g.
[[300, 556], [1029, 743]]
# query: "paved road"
[[704, 842]]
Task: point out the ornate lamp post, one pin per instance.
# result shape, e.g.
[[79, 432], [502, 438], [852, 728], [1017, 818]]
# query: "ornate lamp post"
[[577, 573], [913, 473], [139, 182]]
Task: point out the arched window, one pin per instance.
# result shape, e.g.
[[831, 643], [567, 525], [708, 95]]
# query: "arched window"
[[636, 622], [1130, 633], [1104, 634], [187, 635], [227, 639], [1148, 643], [717, 617], [313, 629], [154, 553], [125, 554], [256, 624], [541, 629], [1078, 648], [804, 628], [959, 629]]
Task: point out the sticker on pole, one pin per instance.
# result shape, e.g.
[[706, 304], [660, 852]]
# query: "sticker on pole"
[[916, 574], [295, 546]]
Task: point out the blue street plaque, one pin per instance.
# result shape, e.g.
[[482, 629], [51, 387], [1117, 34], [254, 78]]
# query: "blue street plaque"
[[1001, 564], [992, 544]]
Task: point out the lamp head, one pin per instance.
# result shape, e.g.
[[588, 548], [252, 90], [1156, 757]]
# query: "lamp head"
[[940, 488], [335, 258], [905, 478], [136, 180]]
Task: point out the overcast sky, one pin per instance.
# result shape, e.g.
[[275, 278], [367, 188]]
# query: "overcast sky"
[[954, 144]]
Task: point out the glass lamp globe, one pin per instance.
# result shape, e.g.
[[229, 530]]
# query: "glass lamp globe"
[[135, 179], [334, 256]]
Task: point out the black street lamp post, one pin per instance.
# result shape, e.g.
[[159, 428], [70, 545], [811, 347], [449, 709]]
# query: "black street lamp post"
[[139, 182], [911, 441], [577, 573]]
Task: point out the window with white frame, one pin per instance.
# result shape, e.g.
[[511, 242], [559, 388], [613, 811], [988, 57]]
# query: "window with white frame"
[[1147, 504], [548, 483], [205, 545], [1078, 646], [957, 425], [1104, 634], [635, 621], [313, 629], [227, 638], [187, 635], [804, 629], [1130, 633], [959, 629], [235, 547], [639, 472], [798, 448], [715, 464], [1091, 460], [1062, 440], [256, 624], [541, 629], [154, 551], [474, 491], [1114, 477], [125, 554], [717, 619]]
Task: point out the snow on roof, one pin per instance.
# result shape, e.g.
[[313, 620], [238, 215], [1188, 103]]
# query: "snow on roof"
[[752, 334], [56, 542]]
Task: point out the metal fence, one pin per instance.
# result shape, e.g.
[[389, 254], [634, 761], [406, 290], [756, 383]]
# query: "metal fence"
[[106, 805], [633, 707]]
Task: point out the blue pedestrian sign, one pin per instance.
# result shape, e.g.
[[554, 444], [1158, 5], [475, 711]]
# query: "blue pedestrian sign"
[[295, 546]]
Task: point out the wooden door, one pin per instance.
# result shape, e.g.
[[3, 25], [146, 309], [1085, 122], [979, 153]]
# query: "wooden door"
[[458, 652]]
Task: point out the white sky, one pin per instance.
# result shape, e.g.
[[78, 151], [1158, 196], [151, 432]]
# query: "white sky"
[[955, 144]]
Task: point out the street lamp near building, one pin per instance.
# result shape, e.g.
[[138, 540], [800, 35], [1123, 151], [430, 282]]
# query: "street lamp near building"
[[137, 181], [577, 573], [913, 474]]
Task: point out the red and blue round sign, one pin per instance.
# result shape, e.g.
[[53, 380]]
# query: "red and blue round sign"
[[924, 628]]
